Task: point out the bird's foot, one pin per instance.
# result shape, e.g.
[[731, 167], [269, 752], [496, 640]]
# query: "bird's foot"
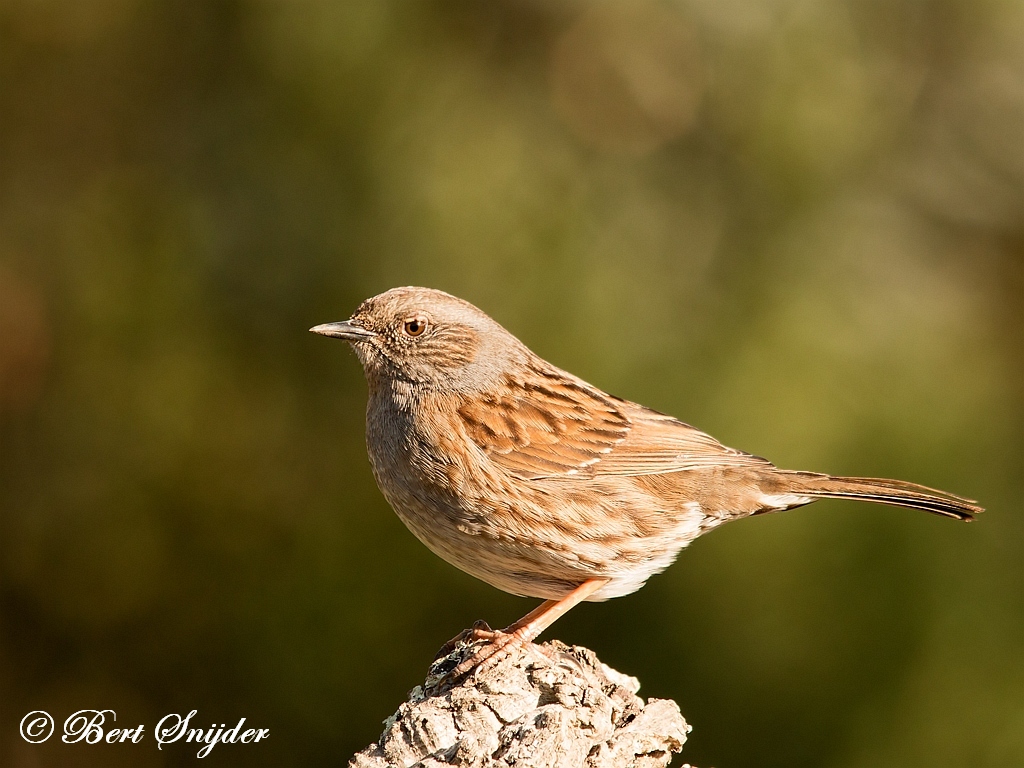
[[480, 630], [475, 650], [497, 646]]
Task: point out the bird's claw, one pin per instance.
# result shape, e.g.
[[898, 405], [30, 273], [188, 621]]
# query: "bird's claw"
[[480, 630], [488, 655]]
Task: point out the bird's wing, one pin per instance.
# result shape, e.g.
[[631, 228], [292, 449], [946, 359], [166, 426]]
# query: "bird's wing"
[[658, 444], [545, 425], [551, 424]]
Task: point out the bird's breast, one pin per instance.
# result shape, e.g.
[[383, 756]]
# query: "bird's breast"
[[420, 461]]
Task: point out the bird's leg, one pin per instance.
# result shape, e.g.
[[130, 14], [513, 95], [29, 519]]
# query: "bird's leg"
[[523, 631]]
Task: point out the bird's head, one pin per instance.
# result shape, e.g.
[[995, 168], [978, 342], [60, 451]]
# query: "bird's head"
[[427, 338]]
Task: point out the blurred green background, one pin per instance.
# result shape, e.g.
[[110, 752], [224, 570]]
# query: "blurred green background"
[[796, 224]]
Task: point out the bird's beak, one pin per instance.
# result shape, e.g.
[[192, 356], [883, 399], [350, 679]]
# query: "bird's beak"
[[346, 329]]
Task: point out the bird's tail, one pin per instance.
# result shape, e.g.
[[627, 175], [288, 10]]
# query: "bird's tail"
[[895, 492]]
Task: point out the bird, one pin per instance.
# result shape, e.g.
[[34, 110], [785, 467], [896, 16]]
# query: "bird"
[[541, 484]]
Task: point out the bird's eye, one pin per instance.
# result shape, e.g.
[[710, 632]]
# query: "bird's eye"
[[415, 326]]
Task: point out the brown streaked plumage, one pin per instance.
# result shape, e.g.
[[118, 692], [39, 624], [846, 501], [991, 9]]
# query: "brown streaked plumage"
[[540, 484]]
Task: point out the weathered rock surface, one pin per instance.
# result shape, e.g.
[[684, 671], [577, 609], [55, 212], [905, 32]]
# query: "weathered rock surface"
[[545, 705]]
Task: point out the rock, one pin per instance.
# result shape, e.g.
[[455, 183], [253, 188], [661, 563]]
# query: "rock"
[[543, 705]]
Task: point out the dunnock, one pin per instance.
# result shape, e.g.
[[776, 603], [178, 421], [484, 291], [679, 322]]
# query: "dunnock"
[[540, 484]]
